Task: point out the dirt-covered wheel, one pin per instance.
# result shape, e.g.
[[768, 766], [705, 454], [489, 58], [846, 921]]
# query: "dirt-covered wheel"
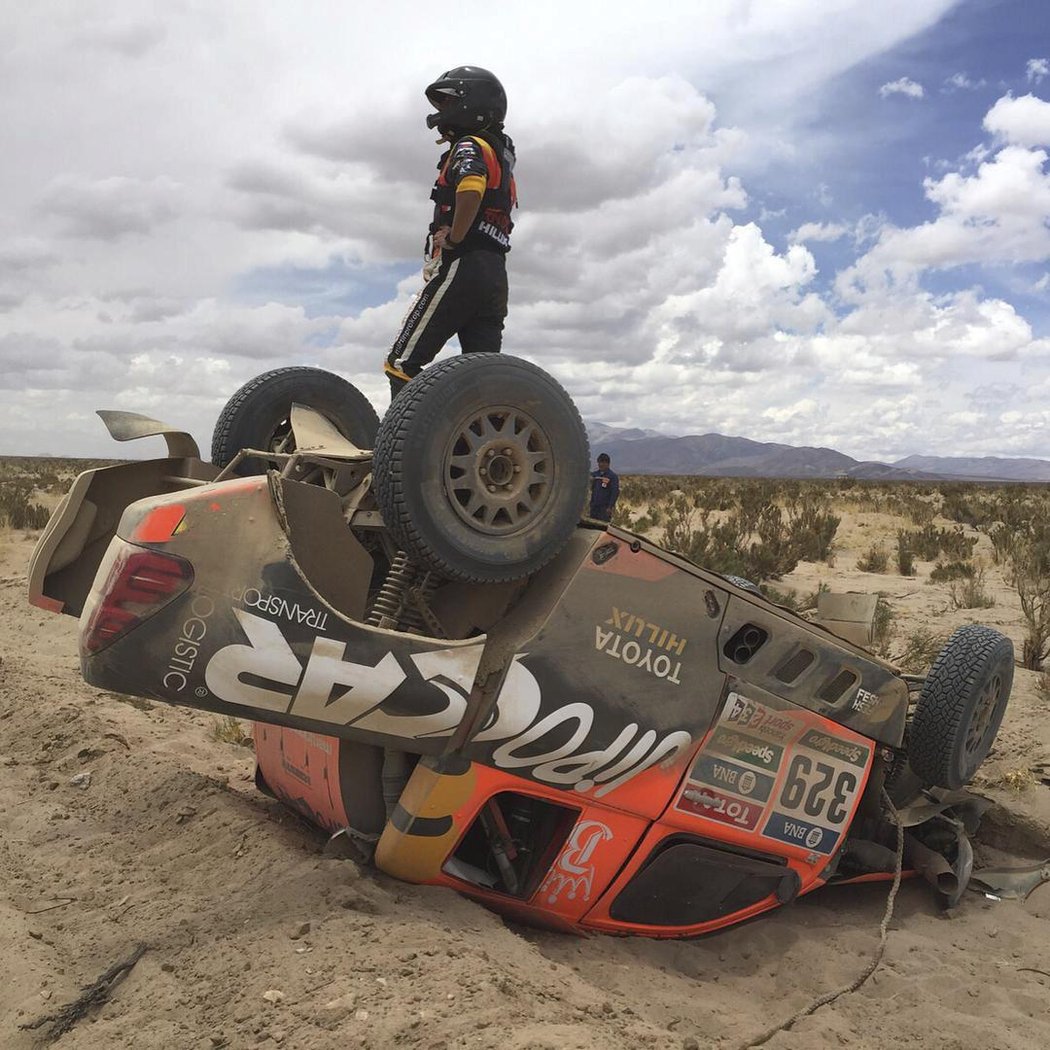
[[258, 415], [480, 468], [961, 706]]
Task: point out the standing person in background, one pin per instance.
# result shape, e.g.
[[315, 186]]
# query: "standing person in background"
[[605, 490], [466, 271]]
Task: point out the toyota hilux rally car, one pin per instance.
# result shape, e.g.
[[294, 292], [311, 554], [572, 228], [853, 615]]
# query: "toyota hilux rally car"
[[474, 687]]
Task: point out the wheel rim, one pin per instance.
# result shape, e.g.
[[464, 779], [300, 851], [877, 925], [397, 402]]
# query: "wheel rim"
[[984, 712], [498, 470], [281, 439]]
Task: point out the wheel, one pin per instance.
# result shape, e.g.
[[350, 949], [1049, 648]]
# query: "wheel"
[[481, 468], [743, 584], [257, 415], [961, 706]]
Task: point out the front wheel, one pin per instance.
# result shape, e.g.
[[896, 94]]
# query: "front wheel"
[[961, 707]]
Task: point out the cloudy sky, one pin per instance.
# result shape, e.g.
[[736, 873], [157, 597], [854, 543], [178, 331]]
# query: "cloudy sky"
[[811, 221]]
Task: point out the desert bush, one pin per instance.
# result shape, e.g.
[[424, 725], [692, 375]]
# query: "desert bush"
[[1002, 537], [813, 526], [882, 627], [920, 648], [1030, 575], [1042, 686], [905, 556], [969, 591], [229, 730], [17, 509], [944, 572], [875, 559]]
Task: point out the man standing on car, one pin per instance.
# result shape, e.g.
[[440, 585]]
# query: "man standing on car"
[[605, 490], [466, 272]]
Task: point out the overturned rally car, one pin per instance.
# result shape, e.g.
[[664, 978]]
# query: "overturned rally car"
[[469, 684]]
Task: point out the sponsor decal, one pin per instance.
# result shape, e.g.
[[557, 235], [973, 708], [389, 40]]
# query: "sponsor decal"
[[632, 654], [551, 746], [864, 700], [640, 627], [836, 747], [279, 608], [745, 748], [718, 806], [821, 791], [743, 713], [187, 646], [709, 769], [799, 833], [573, 872]]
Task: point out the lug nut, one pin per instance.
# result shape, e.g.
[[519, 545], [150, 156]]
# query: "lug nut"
[[482, 471], [517, 469], [491, 452], [492, 488]]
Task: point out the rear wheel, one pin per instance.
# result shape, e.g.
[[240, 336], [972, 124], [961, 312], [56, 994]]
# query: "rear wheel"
[[480, 468], [961, 707], [258, 415]]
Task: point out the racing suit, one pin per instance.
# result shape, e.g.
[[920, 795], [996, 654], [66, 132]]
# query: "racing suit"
[[467, 296]]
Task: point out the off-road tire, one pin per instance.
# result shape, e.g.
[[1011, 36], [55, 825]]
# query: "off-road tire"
[[427, 505], [961, 707], [257, 411]]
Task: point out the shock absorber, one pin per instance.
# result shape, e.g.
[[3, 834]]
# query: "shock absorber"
[[390, 602], [417, 616]]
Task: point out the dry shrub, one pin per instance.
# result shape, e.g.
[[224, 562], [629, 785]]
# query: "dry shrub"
[[905, 555], [969, 592], [882, 627], [920, 649], [230, 730], [945, 572], [1030, 576], [875, 560]]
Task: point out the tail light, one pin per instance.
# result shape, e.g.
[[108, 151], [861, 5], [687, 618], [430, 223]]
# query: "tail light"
[[137, 584]]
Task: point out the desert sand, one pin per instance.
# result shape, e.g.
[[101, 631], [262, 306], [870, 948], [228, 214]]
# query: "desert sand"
[[255, 938]]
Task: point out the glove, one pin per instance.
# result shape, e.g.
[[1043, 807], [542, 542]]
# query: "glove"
[[431, 266]]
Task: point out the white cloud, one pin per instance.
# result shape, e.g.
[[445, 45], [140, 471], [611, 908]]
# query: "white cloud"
[[163, 163], [110, 208], [1023, 121], [902, 86], [818, 231], [1000, 213], [1036, 69], [961, 82]]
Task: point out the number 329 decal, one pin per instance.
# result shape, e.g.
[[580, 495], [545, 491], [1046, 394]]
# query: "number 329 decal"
[[818, 790]]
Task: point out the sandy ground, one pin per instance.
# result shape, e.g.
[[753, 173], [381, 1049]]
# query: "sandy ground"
[[171, 845]]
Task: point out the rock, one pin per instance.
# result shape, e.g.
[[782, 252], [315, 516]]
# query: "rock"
[[300, 931], [36, 935], [361, 1015], [81, 780], [167, 967], [690, 1043], [273, 996]]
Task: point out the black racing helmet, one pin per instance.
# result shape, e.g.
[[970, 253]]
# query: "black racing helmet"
[[467, 98]]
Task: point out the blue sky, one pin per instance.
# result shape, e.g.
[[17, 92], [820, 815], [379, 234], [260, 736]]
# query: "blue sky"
[[808, 221]]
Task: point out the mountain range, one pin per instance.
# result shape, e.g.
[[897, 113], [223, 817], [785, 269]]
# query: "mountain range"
[[636, 451]]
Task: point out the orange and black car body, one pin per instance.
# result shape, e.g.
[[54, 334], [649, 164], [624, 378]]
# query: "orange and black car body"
[[623, 742]]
